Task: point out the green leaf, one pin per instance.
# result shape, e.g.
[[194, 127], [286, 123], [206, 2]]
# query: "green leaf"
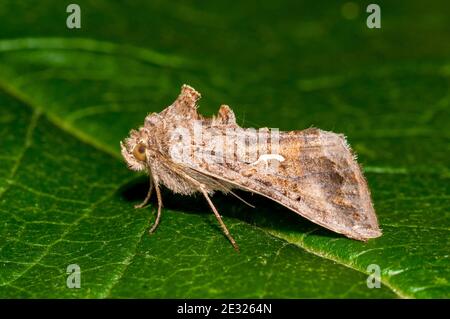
[[67, 97]]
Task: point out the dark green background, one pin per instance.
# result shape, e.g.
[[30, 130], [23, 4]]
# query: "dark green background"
[[67, 97]]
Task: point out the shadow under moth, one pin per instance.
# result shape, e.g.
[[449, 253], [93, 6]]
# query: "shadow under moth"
[[312, 172]]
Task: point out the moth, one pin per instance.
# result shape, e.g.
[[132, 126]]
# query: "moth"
[[312, 172]]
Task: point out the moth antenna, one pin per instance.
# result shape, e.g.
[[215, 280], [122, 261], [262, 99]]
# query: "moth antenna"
[[240, 198], [228, 190]]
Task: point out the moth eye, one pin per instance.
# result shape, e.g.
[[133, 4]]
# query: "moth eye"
[[139, 152]]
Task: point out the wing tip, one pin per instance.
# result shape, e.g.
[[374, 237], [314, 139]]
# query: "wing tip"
[[364, 234]]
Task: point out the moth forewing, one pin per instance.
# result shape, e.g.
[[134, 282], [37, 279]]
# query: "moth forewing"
[[312, 172], [316, 176]]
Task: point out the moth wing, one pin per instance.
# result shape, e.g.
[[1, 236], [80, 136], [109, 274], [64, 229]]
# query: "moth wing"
[[316, 176]]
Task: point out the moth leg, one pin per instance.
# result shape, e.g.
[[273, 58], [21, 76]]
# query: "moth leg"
[[219, 218], [222, 224], [160, 204], [147, 198]]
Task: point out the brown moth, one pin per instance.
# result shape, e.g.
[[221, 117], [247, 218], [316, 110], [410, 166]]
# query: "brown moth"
[[312, 172]]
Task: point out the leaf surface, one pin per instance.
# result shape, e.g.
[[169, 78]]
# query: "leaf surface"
[[67, 97]]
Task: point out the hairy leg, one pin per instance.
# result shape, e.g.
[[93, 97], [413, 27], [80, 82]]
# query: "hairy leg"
[[160, 204], [149, 195], [202, 189], [219, 218]]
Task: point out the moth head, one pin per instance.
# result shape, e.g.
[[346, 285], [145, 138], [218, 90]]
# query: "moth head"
[[135, 150]]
